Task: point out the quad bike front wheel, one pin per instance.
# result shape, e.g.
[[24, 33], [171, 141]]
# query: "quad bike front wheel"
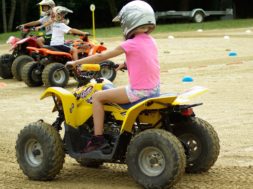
[[108, 71], [155, 159], [18, 65], [201, 144], [55, 74], [39, 151], [5, 66], [31, 74]]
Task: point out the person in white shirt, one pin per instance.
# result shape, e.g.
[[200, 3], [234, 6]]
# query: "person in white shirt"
[[47, 6], [59, 28]]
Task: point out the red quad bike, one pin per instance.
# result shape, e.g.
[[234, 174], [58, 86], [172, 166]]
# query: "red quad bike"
[[48, 68], [11, 64]]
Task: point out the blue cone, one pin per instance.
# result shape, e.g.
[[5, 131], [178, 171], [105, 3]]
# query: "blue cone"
[[232, 53], [187, 79]]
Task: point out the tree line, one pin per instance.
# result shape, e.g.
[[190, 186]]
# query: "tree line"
[[16, 12]]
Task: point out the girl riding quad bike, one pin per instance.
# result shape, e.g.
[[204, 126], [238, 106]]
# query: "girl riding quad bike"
[[48, 67], [158, 138]]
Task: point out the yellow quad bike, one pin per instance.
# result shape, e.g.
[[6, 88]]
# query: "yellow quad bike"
[[159, 138]]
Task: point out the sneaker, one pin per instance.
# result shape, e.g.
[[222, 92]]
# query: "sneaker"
[[95, 143]]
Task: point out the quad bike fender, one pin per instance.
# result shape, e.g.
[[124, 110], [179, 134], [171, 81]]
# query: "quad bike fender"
[[187, 95], [156, 103], [57, 53], [107, 63], [68, 101], [161, 102], [97, 49], [33, 49], [12, 41], [25, 40]]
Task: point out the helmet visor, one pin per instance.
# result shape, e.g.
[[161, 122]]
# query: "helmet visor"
[[116, 19]]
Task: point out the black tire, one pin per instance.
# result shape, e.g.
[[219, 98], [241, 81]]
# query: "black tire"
[[90, 163], [198, 17], [108, 71], [155, 159], [31, 74], [39, 151], [53, 75], [201, 144], [18, 65], [5, 66]]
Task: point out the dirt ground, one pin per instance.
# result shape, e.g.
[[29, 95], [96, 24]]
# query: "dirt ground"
[[227, 106]]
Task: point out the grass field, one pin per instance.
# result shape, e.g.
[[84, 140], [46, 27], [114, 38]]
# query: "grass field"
[[161, 28]]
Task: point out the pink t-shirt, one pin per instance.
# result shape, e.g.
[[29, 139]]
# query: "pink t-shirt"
[[142, 62]]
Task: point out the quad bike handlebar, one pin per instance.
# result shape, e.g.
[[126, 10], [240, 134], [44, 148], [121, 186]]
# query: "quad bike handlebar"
[[84, 73], [25, 30]]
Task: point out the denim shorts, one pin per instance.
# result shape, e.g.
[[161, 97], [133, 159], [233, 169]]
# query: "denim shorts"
[[137, 94], [63, 48], [47, 39]]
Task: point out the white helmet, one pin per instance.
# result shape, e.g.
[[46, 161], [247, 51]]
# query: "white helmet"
[[60, 12], [49, 3], [135, 14]]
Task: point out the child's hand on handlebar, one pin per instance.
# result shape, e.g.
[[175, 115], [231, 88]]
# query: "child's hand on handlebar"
[[121, 67], [70, 65], [37, 28]]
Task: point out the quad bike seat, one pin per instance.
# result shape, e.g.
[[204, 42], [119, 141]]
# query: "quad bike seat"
[[56, 51], [128, 105], [50, 48]]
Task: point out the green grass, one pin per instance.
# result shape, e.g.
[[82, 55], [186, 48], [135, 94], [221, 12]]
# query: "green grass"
[[221, 24], [162, 28]]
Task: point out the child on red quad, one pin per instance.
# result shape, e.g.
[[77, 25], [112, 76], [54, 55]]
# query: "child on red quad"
[[47, 6], [11, 64], [19, 62]]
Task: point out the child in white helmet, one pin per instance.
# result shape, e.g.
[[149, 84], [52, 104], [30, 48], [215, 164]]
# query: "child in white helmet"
[[59, 28], [47, 6], [137, 20]]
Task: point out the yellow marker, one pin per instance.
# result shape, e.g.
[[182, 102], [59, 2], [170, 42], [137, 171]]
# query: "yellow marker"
[[40, 33], [92, 8], [40, 10]]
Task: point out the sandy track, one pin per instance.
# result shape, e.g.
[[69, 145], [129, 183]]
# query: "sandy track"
[[227, 106]]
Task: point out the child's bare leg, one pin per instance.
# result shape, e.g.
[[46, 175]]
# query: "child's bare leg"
[[117, 95], [74, 53], [40, 41]]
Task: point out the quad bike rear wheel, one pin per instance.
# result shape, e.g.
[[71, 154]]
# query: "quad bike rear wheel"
[[107, 70], [39, 151], [18, 65], [155, 158], [201, 144], [31, 74], [5, 66], [55, 74]]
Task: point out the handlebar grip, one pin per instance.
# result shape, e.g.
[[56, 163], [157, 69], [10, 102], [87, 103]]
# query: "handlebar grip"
[[69, 67]]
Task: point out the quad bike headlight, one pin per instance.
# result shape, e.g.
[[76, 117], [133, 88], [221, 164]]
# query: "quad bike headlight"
[[12, 40]]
